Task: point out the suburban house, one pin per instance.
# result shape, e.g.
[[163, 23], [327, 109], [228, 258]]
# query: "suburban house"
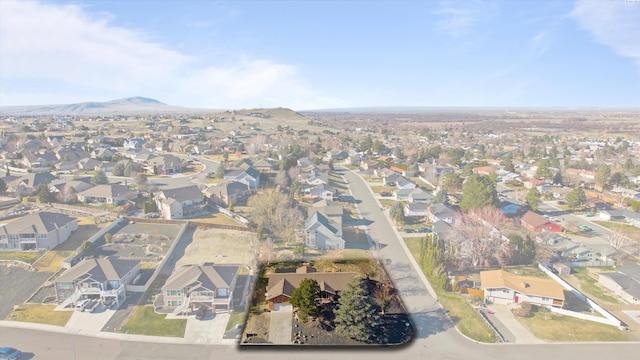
[[163, 164], [323, 191], [265, 165], [102, 278], [510, 208], [323, 234], [417, 195], [228, 192], [134, 143], [415, 209], [178, 203], [538, 223], [43, 230], [281, 285], [111, 194], [249, 176], [192, 286], [440, 211], [27, 184], [501, 287], [625, 283]]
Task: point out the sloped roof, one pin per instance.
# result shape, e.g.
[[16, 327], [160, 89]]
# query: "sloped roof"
[[106, 190], [185, 193], [534, 219], [522, 284], [286, 283], [41, 223], [101, 270], [207, 276]]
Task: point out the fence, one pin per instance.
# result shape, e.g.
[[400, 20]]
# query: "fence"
[[83, 210], [160, 265], [68, 262], [602, 320], [589, 263], [190, 223], [608, 318], [232, 215]]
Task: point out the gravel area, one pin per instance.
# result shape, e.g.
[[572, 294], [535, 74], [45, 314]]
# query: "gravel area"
[[17, 285], [221, 246]]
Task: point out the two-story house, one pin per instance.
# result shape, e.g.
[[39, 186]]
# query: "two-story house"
[[43, 230], [228, 192], [181, 202], [323, 234], [192, 286]]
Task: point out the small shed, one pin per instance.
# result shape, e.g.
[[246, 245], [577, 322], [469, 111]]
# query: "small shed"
[[562, 269]]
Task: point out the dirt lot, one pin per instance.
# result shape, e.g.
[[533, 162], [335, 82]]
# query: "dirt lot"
[[17, 285], [221, 246], [148, 242]]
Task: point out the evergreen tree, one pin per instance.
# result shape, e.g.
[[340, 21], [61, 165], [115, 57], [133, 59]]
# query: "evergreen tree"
[[523, 249], [557, 178], [3, 186], [441, 197], [533, 198], [44, 195], [479, 191], [220, 171], [100, 178], [397, 212], [118, 169], [306, 299], [603, 174], [576, 198], [355, 316]]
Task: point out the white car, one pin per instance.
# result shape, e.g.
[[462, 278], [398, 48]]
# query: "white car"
[[82, 304], [92, 306]]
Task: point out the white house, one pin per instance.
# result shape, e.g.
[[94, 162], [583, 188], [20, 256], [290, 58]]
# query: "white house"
[[322, 234], [501, 287]]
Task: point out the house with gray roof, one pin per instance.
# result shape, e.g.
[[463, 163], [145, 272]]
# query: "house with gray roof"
[[323, 234], [625, 283], [103, 278], [323, 191], [134, 143], [249, 176], [415, 209], [26, 185], [43, 230], [228, 192], [439, 211], [178, 203], [192, 286], [109, 194]]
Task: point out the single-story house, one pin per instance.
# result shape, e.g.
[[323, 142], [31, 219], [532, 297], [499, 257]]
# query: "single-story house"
[[538, 223], [440, 211], [415, 209], [625, 283], [111, 194], [281, 285], [501, 287]]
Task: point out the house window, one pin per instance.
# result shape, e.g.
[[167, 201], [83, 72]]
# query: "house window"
[[174, 302], [174, 292], [223, 292], [43, 236]]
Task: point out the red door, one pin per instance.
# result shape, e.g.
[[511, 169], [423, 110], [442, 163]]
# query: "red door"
[[517, 299]]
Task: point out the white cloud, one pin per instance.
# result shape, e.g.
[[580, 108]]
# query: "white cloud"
[[612, 23], [62, 52], [538, 43], [457, 17]]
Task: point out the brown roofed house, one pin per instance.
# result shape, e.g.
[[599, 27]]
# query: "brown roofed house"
[[501, 287]]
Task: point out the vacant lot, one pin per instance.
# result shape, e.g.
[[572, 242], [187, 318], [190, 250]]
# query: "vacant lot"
[[221, 246], [16, 285]]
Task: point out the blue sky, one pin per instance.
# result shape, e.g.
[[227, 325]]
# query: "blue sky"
[[322, 54]]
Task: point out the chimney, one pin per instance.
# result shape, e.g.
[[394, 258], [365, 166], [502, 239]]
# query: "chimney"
[[524, 284]]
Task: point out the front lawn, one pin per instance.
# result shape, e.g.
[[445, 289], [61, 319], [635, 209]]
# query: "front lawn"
[[26, 256], [236, 318], [41, 314], [551, 327], [460, 311], [144, 321]]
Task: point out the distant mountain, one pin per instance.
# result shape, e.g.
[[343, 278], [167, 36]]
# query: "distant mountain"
[[126, 106]]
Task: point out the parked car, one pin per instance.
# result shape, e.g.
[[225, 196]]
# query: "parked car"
[[409, 231], [385, 193], [584, 227], [589, 214], [82, 304], [92, 306], [10, 353], [424, 230]]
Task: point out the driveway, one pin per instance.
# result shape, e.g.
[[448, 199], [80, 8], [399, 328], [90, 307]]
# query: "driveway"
[[209, 330], [514, 328], [91, 322], [280, 325]]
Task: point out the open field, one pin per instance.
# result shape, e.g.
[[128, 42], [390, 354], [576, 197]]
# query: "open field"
[[221, 246], [41, 314], [144, 321], [552, 327]]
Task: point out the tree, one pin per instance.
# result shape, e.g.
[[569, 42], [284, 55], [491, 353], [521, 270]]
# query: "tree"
[[452, 182], [576, 198], [44, 195], [441, 197], [87, 245], [107, 238], [355, 317], [603, 174], [479, 191], [283, 179], [507, 164], [397, 212], [220, 171], [533, 198], [557, 178], [118, 169], [384, 293], [543, 171], [617, 239], [99, 178], [306, 299], [141, 182], [476, 239], [523, 249], [275, 213], [455, 155], [3, 186], [618, 179]]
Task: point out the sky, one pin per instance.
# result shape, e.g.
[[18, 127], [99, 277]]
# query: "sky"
[[308, 55]]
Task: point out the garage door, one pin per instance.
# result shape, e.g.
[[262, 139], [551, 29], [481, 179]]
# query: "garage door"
[[282, 307]]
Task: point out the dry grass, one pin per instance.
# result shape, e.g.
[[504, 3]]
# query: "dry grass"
[[41, 314], [26, 256], [52, 260], [221, 246], [551, 327], [217, 219]]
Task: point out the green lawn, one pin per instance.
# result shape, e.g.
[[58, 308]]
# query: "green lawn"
[[236, 318], [41, 314], [144, 321], [616, 225], [26, 256], [589, 287], [552, 327], [378, 189], [460, 311]]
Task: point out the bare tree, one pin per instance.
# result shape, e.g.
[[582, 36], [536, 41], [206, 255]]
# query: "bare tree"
[[384, 293], [476, 240], [617, 239], [273, 212]]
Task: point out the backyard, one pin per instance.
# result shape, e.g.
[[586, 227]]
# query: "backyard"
[[581, 277]]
